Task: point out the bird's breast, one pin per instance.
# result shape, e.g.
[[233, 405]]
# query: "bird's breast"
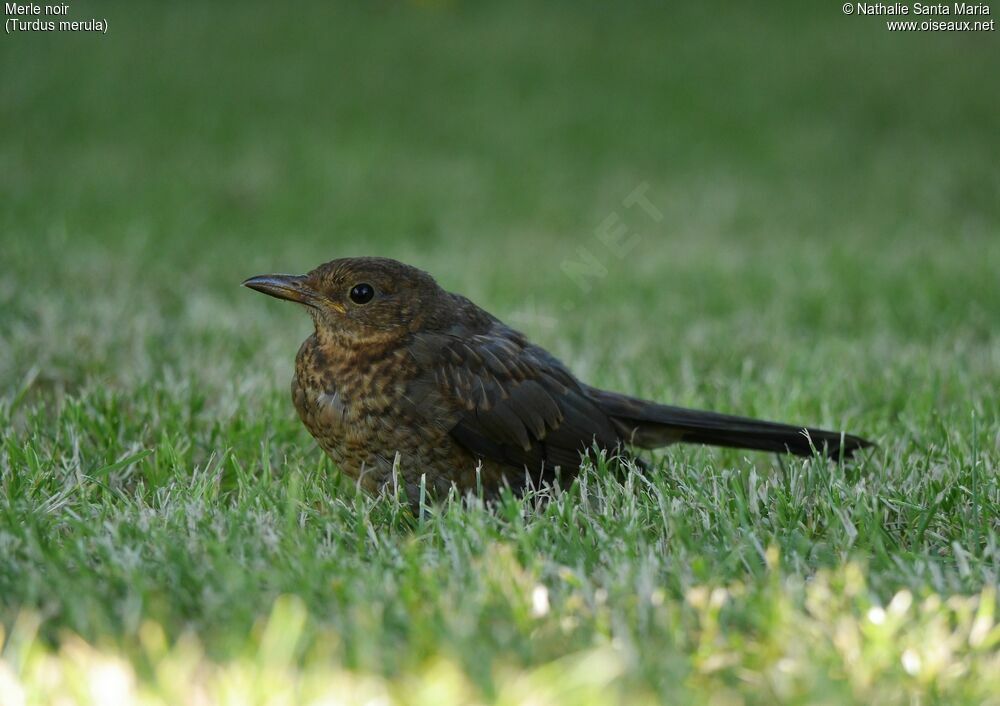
[[327, 410], [332, 403], [369, 411], [350, 402]]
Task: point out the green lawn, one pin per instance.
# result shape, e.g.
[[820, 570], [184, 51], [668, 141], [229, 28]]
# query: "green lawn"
[[828, 254]]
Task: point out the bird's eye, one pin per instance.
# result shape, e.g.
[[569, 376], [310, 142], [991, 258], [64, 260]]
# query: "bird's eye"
[[362, 293]]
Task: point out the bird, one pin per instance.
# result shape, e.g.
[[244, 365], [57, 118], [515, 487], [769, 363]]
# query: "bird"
[[404, 384]]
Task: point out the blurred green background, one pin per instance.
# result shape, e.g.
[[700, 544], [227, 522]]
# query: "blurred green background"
[[828, 254], [819, 175], [209, 141]]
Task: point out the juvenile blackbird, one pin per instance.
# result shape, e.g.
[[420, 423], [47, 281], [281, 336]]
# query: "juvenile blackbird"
[[397, 365]]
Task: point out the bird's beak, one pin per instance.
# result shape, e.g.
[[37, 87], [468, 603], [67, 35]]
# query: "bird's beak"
[[294, 288]]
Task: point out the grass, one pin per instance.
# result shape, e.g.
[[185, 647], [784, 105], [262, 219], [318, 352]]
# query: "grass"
[[827, 254]]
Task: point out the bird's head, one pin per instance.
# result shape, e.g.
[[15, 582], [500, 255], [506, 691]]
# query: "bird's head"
[[359, 300]]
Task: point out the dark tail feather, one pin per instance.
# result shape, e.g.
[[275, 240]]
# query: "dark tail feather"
[[650, 425]]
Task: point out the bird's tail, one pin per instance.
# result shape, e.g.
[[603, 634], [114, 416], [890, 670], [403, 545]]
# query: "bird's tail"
[[651, 425]]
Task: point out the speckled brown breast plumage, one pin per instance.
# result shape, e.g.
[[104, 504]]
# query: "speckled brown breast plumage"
[[404, 381], [359, 410], [424, 402]]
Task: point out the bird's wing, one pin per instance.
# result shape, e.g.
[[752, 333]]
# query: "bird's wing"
[[509, 401]]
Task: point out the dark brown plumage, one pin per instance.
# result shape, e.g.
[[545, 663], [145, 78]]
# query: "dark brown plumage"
[[399, 367]]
